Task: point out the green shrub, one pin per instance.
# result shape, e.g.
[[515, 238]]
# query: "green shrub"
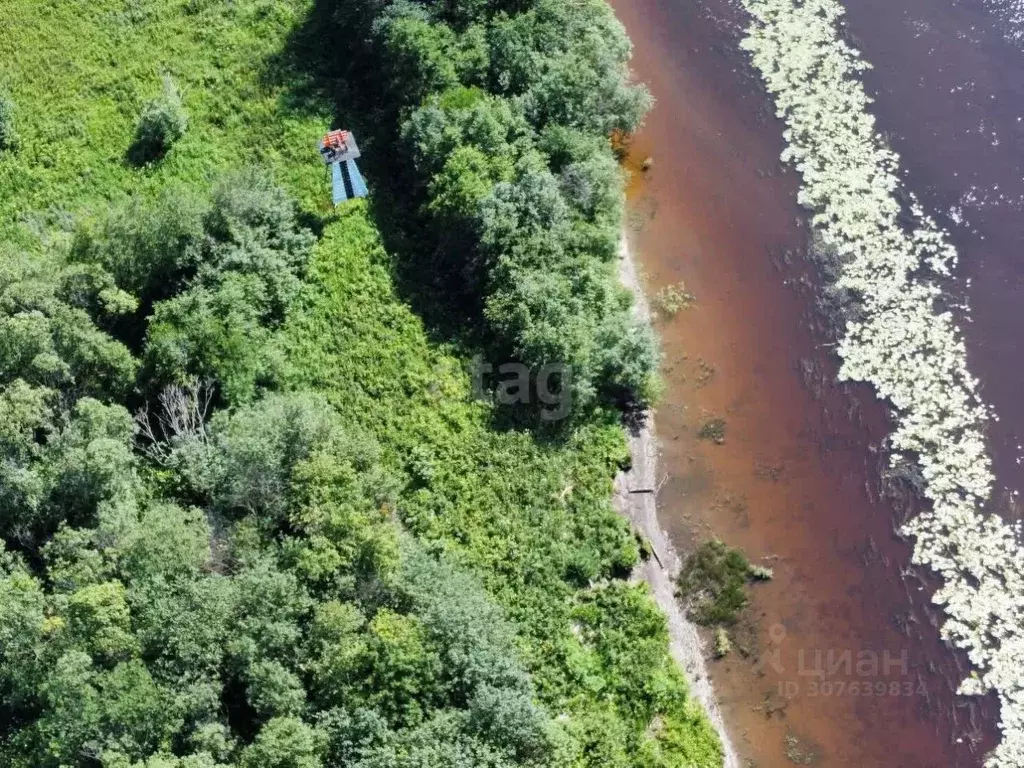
[[252, 229], [152, 248], [162, 123], [213, 334], [713, 583]]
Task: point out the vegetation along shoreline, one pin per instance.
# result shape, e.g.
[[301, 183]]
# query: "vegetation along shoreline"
[[252, 513]]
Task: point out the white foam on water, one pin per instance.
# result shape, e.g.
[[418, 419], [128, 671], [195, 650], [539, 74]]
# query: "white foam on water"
[[906, 346], [1011, 16]]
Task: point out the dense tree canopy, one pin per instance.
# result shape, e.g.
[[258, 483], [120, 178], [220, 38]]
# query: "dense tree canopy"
[[289, 608]]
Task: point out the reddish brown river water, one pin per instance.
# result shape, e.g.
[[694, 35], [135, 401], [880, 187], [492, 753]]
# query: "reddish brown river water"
[[840, 661]]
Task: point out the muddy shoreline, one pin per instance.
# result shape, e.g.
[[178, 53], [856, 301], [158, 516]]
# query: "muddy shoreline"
[[660, 571]]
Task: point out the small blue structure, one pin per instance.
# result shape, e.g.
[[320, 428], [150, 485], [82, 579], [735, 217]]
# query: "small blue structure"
[[339, 150], [346, 181]]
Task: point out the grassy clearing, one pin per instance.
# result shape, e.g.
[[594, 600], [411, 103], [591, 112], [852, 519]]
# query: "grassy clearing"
[[84, 73]]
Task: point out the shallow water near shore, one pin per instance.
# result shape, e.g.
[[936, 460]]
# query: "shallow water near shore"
[[841, 662]]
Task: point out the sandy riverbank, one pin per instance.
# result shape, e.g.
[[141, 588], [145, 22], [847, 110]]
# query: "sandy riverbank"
[[660, 571]]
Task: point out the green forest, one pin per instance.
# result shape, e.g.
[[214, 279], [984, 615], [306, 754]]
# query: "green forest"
[[252, 513]]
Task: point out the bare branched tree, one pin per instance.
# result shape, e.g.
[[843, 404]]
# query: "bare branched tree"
[[181, 418]]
